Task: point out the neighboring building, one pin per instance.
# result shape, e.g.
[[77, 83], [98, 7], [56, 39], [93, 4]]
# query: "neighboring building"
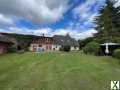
[[5, 43], [60, 41], [21, 42], [42, 43]]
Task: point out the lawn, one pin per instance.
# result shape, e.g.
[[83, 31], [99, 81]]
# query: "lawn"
[[57, 71]]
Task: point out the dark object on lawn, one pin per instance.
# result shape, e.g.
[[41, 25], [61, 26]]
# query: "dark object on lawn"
[[66, 48], [108, 48]]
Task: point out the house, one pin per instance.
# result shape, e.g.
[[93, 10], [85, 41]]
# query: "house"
[[21, 41], [42, 43], [60, 41], [5, 43]]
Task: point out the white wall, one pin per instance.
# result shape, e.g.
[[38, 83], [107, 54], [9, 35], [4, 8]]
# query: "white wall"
[[31, 46], [43, 47], [56, 47], [73, 48]]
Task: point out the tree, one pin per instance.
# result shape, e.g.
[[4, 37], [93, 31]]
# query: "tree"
[[66, 48], [84, 42], [22, 41], [92, 48], [108, 22]]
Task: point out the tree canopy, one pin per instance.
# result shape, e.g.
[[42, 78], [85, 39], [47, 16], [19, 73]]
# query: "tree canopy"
[[108, 23]]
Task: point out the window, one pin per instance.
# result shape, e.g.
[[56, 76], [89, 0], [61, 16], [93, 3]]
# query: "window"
[[40, 45]]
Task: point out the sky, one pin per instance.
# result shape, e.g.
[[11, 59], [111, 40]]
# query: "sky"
[[50, 17]]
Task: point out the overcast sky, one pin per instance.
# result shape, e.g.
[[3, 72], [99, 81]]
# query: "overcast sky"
[[49, 17]]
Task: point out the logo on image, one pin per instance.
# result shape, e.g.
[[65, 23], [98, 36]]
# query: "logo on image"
[[115, 85]]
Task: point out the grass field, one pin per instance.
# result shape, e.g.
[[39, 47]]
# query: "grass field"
[[57, 71]]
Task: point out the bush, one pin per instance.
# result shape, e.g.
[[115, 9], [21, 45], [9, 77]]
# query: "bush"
[[116, 53], [61, 49], [91, 48], [65, 48], [83, 43], [12, 49]]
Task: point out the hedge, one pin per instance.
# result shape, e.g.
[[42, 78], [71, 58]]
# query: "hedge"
[[116, 53], [92, 48]]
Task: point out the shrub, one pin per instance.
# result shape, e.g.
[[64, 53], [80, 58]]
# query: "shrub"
[[61, 49], [116, 53], [91, 48], [65, 48], [12, 49], [83, 43]]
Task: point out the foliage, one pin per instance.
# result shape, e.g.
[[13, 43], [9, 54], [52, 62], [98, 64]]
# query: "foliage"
[[12, 49], [66, 48], [61, 49], [83, 43], [108, 23], [116, 53], [91, 48], [22, 41]]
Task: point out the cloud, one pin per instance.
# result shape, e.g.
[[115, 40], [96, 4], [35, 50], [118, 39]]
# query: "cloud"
[[118, 3], [76, 34], [49, 32], [83, 8], [47, 12], [37, 11], [26, 31], [86, 12], [86, 34], [5, 21], [88, 8]]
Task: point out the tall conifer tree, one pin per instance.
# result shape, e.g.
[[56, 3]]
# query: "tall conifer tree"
[[108, 23]]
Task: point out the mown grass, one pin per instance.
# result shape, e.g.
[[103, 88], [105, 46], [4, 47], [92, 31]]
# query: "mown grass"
[[57, 71]]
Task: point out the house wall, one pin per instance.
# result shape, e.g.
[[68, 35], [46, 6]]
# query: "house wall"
[[74, 48], [56, 47], [42, 44], [48, 47], [33, 47], [77, 48], [39, 47], [3, 48]]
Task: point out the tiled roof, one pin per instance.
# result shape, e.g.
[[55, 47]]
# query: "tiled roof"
[[65, 40]]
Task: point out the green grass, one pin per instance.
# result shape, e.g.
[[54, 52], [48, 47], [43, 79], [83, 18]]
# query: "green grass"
[[57, 71]]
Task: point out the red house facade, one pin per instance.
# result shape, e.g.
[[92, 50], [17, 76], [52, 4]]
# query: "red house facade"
[[42, 43], [3, 47]]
